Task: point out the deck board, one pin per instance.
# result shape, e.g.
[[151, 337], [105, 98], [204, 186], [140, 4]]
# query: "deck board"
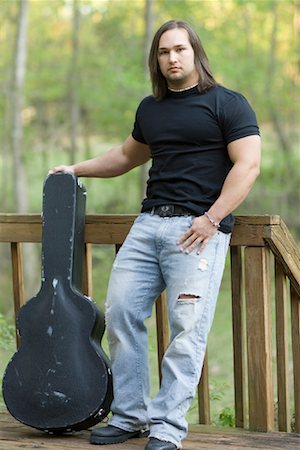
[[15, 436]]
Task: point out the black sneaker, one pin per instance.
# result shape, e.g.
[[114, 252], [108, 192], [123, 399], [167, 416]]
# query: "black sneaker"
[[157, 444], [113, 435]]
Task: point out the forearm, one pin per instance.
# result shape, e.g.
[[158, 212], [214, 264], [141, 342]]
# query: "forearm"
[[111, 164], [236, 187], [115, 162]]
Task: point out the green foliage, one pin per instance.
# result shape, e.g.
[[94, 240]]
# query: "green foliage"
[[7, 346], [293, 423], [252, 48], [244, 52], [226, 417], [7, 332], [216, 389]]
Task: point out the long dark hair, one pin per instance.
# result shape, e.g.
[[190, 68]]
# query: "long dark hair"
[[159, 83]]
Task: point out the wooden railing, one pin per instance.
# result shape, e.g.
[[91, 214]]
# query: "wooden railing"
[[254, 241]]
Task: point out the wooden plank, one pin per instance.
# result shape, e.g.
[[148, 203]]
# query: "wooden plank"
[[162, 328], [239, 439], [14, 436], [295, 319], [259, 348], [251, 230], [99, 229], [15, 218], [286, 250], [18, 280], [264, 219], [92, 218], [203, 394], [238, 335], [250, 235], [23, 232], [107, 229], [282, 348], [87, 287]]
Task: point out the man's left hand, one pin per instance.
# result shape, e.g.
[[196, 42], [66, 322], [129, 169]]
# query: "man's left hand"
[[199, 234]]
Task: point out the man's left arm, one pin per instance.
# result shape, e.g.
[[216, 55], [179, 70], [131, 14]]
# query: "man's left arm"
[[245, 154]]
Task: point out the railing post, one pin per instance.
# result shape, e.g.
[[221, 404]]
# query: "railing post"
[[295, 318], [282, 348], [87, 285], [162, 328], [18, 280], [203, 394], [259, 344], [238, 335]]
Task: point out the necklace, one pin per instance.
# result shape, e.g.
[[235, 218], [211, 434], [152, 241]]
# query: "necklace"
[[183, 89]]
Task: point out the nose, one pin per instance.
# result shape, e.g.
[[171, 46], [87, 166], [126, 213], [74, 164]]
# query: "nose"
[[173, 56]]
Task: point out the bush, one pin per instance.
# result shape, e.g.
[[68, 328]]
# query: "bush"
[[226, 417]]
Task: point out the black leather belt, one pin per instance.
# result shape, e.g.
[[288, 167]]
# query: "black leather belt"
[[169, 211]]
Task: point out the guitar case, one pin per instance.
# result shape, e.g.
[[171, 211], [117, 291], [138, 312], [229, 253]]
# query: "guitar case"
[[60, 380]]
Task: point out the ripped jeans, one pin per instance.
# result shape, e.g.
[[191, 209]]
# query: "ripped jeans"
[[149, 262]]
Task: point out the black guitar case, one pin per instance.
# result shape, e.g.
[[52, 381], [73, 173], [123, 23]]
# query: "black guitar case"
[[60, 380]]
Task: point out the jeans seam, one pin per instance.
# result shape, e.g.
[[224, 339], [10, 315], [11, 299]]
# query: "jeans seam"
[[138, 357], [209, 288]]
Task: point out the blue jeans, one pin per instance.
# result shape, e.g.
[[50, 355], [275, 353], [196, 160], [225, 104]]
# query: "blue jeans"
[[149, 262]]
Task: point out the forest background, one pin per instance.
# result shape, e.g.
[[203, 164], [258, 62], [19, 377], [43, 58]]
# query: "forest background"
[[72, 73]]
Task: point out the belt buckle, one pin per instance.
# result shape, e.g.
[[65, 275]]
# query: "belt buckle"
[[166, 210]]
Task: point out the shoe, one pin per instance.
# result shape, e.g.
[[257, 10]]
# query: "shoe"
[[113, 435], [157, 444]]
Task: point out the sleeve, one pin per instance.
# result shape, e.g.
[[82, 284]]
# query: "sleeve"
[[238, 119], [137, 132]]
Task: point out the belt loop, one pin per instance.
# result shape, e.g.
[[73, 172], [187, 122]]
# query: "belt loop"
[[152, 211]]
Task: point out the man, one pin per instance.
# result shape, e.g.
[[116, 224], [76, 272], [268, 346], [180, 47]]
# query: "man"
[[205, 148]]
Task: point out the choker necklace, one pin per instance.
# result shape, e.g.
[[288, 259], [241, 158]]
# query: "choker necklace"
[[183, 89]]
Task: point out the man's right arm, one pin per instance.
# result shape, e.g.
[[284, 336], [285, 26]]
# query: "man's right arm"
[[115, 162]]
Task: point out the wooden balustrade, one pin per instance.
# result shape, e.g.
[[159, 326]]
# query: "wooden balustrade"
[[257, 241]]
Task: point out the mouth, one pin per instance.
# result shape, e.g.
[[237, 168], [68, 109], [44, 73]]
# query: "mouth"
[[174, 69]]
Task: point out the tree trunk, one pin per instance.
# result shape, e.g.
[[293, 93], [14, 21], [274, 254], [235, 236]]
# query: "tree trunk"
[[5, 150], [17, 85], [73, 83], [283, 139], [149, 19], [291, 197], [16, 138]]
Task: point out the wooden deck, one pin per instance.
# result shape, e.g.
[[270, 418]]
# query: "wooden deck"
[[15, 436], [257, 244]]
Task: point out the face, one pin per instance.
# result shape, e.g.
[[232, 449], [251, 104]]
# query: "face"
[[176, 59]]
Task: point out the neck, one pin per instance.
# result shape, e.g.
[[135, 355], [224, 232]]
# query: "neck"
[[183, 89]]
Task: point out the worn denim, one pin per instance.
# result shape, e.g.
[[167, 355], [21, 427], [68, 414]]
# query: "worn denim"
[[148, 262]]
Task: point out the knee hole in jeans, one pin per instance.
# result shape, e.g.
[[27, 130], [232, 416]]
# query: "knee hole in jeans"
[[188, 297]]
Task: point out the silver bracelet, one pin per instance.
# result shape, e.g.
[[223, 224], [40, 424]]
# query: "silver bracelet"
[[212, 220]]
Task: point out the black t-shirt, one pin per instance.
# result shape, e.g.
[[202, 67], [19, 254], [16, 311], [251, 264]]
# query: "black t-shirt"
[[188, 133]]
